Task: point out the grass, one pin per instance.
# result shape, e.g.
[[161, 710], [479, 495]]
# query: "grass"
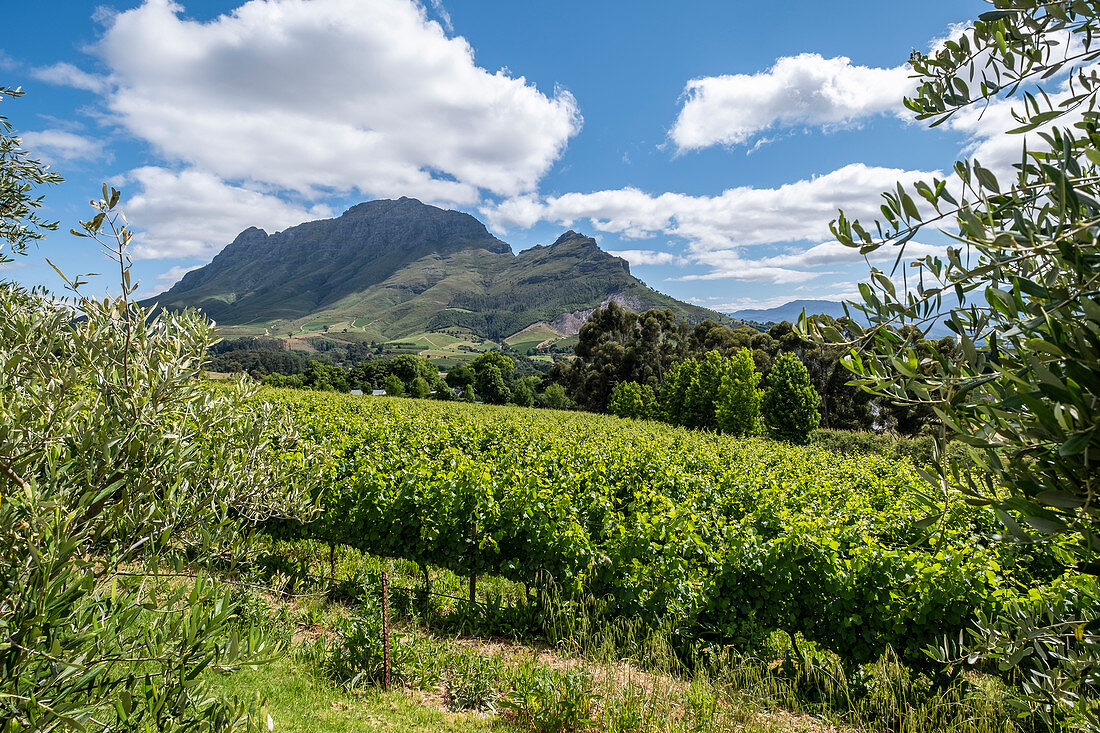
[[300, 702], [508, 665]]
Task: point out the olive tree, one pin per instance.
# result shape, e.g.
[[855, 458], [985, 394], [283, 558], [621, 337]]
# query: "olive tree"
[[1019, 288], [122, 476]]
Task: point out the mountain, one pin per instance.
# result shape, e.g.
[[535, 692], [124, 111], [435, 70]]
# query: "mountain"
[[791, 311], [388, 269]]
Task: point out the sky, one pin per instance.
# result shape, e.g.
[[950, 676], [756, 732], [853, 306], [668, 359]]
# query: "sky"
[[707, 143]]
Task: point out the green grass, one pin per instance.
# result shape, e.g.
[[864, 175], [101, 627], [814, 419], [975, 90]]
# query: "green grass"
[[633, 681], [299, 702]]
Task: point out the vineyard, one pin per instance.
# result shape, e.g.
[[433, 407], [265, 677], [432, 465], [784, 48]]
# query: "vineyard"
[[712, 538]]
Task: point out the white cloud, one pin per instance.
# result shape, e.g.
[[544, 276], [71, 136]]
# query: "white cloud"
[[719, 229], [793, 212], [167, 279], [192, 214], [806, 90], [57, 145], [648, 257], [834, 253], [366, 96], [441, 11], [65, 74], [797, 266]]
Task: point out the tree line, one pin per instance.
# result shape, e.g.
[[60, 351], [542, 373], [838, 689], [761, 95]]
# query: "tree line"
[[684, 374]]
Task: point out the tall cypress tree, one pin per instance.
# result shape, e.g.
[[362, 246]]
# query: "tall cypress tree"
[[790, 402], [738, 405]]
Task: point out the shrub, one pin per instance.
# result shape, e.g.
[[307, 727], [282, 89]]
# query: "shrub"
[[630, 399], [790, 401], [111, 453], [419, 388], [394, 386], [737, 409]]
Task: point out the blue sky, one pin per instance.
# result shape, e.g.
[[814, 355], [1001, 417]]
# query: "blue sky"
[[709, 143]]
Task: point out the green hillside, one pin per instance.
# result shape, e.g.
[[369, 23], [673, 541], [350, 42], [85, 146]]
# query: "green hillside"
[[388, 270]]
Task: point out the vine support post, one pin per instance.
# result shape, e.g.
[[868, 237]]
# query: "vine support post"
[[473, 573], [385, 632]]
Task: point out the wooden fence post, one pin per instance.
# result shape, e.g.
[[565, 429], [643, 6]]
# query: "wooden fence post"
[[385, 632]]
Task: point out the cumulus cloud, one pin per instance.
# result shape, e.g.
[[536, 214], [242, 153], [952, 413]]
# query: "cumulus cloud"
[[65, 74], [167, 279], [798, 211], [193, 214], [444, 16], [366, 96], [806, 90], [718, 229], [61, 145], [648, 257], [797, 266]]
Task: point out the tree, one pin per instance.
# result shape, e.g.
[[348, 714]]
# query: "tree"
[[790, 401], [444, 392], [504, 364], [419, 388], [394, 386], [114, 454], [326, 377], [1020, 293], [738, 404], [461, 376], [20, 223], [630, 399], [491, 385], [554, 398], [523, 394]]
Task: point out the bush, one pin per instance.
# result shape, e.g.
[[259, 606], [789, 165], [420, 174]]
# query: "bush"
[[112, 452], [393, 385], [419, 388], [738, 405], [552, 701], [354, 656], [630, 399], [790, 402]]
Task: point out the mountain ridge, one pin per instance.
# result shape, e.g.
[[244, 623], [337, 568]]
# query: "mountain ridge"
[[789, 311], [390, 268]]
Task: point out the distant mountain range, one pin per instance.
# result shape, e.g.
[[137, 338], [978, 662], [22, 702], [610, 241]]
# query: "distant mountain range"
[[391, 269], [791, 311]]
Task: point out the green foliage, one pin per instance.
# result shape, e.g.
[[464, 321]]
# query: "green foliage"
[[393, 385], [420, 388], [555, 398], [326, 377], [1019, 291], [919, 450], [504, 364], [114, 454], [491, 385], [461, 376], [618, 346], [371, 375], [712, 536], [19, 175], [790, 401], [630, 399], [353, 657], [523, 394], [444, 392], [552, 701], [737, 409]]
